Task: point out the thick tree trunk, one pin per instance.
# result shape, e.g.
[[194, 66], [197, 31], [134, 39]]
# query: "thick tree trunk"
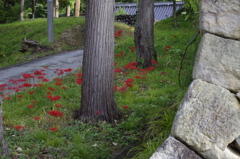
[[175, 13], [143, 34], [77, 8], [68, 11], [21, 10], [97, 99], [33, 8], [4, 145]]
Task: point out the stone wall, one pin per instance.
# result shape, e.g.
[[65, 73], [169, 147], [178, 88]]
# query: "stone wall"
[[207, 121]]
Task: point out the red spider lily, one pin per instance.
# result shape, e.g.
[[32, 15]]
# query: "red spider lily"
[[79, 75], [27, 85], [58, 84], [45, 80], [3, 85], [129, 80], [118, 33], [53, 129], [58, 79], [64, 87], [125, 107], [115, 88], [37, 72], [68, 70], [132, 48], [168, 47], [53, 98], [79, 81], [51, 89], [30, 106], [154, 61], [26, 75], [19, 127], [123, 89], [34, 101], [129, 85], [163, 73], [49, 93], [99, 112], [31, 92], [115, 64], [131, 65], [55, 113], [7, 98], [148, 69], [118, 70], [36, 118], [137, 77], [19, 96], [121, 52], [58, 105]]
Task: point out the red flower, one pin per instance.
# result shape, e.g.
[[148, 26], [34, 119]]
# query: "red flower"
[[68, 70], [19, 127], [154, 61], [3, 118], [58, 105], [51, 89], [30, 106], [45, 80], [163, 73], [55, 113], [53, 129], [79, 75], [7, 98], [27, 85], [31, 92], [79, 81], [168, 47], [53, 98], [125, 107], [58, 84], [34, 101], [20, 96], [123, 89], [115, 88], [26, 75], [129, 80], [37, 72], [118, 70], [64, 87], [36, 118], [137, 77], [99, 112], [129, 85]]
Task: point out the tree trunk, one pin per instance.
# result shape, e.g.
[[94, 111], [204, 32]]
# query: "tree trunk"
[[68, 11], [21, 10], [175, 13], [143, 34], [33, 8], [77, 8], [55, 9], [4, 145], [97, 96]]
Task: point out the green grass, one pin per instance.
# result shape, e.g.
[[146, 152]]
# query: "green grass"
[[148, 107]]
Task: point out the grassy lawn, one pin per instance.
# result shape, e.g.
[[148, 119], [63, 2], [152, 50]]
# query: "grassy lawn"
[[39, 122]]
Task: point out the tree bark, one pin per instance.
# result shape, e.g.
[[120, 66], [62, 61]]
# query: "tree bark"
[[175, 14], [4, 145], [68, 11], [143, 34], [21, 10], [77, 8], [55, 9], [97, 96]]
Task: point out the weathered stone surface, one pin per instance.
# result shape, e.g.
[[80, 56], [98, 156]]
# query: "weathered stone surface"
[[217, 62], [208, 120], [238, 95], [220, 17], [173, 149]]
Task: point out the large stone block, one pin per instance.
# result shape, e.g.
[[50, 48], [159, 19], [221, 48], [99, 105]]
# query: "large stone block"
[[218, 62], [208, 120], [221, 17], [173, 149]]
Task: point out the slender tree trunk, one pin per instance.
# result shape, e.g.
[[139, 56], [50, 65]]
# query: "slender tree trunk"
[[21, 10], [175, 14], [55, 9], [33, 8], [77, 8], [4, 145], [97, 96], [143, 34], [68, 11]]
